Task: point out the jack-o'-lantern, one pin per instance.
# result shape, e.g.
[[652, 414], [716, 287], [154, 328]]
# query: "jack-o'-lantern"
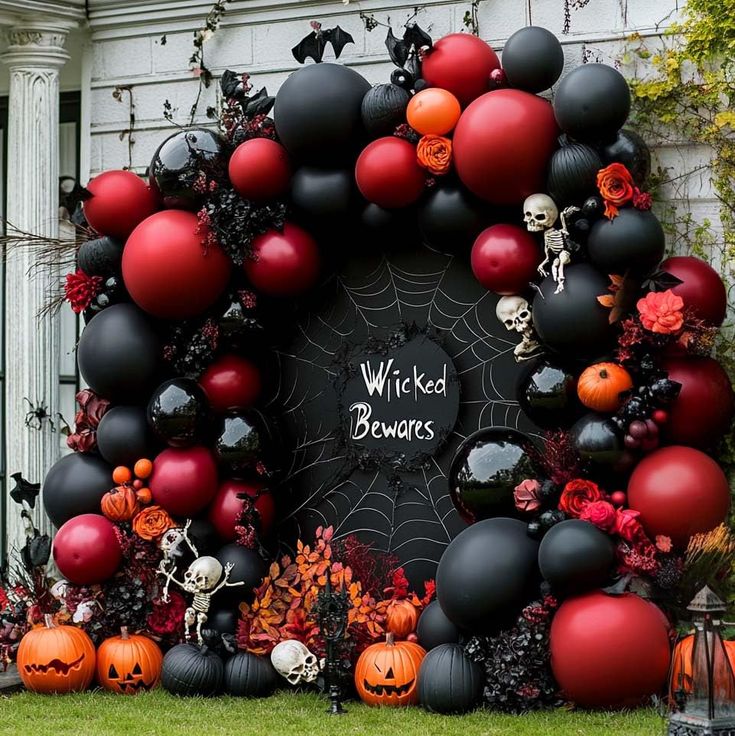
[[128, 663], [56, 659], [120, 504], [401, 618], [387, 673], [681, 664]]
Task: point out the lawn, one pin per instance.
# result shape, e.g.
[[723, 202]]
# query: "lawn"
[[147, 714]]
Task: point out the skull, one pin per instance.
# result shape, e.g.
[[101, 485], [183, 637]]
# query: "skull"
[[203, 575], [295, 662], [170, 543], [539, 212], [514, 312]]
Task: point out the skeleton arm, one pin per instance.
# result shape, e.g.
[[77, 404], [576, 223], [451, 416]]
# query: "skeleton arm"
[[563, 217], [188, 541], [169, 575], [225, 580]]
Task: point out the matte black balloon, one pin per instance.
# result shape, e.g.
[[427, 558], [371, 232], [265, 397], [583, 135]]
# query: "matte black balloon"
[[449, 681], [434, 628], [486, 573], [633, 241], [383, 109], [190, 671], [119, 354], [204, 536], [573, 174], [223, 620], [532, 59], [123, 436], [100, 257], [178, 412], [597, 440], [631, 150], [249, 568], [572, 322], [318, 113], [250, 676], [488, 465], [323, 192], [547, 393], [450, 218], [575, 555], [592, 102], [75, 485]]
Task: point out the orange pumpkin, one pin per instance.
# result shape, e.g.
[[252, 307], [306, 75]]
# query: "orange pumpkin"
[[128, 663], [681, 664], [120, 504], [401, 618], [56, 659], [600, 386], [387, 673]]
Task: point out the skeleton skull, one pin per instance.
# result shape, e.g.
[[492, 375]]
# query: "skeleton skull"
[[295, 662], [539, 212], [170, 543], [203, 575], [514, 312]]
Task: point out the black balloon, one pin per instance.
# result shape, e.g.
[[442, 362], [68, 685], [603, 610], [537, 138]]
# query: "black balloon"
[[597, 440], [434, 628], [575, 555], [573, 174], [547, 393], [178, 412], [631, 150], [450, 218], [592, 103], [100, 257], [241, 441], [223, 620], [119, 354], [384, 108], [486, 573], [75, 485], [321, 193], [249, 568], [191, 671], [250, 676], [318, 113], [449, 682], [204, 536], [532, 59], [488, 465], [123, 436]]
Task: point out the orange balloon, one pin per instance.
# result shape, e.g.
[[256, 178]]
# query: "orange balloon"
[[433, 111]]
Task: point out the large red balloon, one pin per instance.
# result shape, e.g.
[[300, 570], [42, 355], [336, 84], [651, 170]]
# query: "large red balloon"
[[120, 200], [502, 145], [184, 480], [284, 263], [167, 268], [609, 651], [86, 549], [461, 63], [226, 508], [679, 491], [259, 169], [703, 411], [231, 382], [701, 289], [388, 173], [504, 259]]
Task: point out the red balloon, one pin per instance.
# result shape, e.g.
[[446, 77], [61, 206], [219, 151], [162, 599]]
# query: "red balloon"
[[679, 491], [609, 651], [701, 287], [259, 169], [86, 549], [284, 263], [167, 268], [502, 145], [461, 63], [184, 480], [504, 259], [120, 200], [226, 507], [388, 173], [704, 409], [231, 382]]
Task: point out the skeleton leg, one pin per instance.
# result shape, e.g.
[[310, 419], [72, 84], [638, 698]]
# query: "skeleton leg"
[[190, 617], [201, 620], [542, 266], [558, 269]]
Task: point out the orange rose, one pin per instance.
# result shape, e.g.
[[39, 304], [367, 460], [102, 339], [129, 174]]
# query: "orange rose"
[[435, 154], [152, 522], [661, 312], [616, 187]]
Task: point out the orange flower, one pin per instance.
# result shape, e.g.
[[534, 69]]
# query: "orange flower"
[[616, 187], [661, 312], [152, 522], [434, 153]]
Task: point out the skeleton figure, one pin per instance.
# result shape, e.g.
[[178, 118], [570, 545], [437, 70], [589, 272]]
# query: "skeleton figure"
[[295, 662], [515, 313], [171, 544], [540, 214]]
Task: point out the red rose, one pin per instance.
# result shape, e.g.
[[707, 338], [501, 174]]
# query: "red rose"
[[166, 617], [577, 494], [627, 525], [527, 495], [600, 513], [661, 312]]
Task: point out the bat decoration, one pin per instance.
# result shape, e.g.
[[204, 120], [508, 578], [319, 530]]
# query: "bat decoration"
[[24, 490], [404, 51], [661, 280], [236, 86], [316, 42]]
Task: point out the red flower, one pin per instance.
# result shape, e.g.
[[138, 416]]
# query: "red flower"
[[601, 514], [642, 200], [399, 589], [166, 618], [80, 289], [616, 187], [627, 525], [527, 495], [577, 494], [92, 409], [663, 543], [661, 312]]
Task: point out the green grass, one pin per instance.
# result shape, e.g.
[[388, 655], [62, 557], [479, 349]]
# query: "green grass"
[[149, 714]]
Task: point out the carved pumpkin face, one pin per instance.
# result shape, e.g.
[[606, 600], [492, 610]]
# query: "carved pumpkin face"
[[128, 663]]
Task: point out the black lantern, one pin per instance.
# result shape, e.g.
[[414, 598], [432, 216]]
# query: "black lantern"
[[706, 698]]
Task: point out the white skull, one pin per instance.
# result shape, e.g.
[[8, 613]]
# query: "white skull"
[[295, 662], [170, 542], [203, 575], [514, 312], [539, 212]]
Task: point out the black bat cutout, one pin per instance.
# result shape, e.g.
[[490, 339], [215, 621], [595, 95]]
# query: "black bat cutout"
[[24, 490], [661, 280], [399, 49], [235, 86], [313, 45]]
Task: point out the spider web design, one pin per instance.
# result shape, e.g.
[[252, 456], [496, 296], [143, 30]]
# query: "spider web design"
[[406, 512]]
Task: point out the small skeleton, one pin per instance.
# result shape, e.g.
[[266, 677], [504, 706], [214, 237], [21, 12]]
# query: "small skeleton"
[[515, 314], [292, 660], [171, 544], [540, 213]]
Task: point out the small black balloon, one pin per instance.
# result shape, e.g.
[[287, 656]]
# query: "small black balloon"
[[402, 78], [192, 671], [550, 518], [434, 628], [631, 150], [384, 108], [449, 681], [100, 257], [178, 412], [593, 207], [223, 620], [450, 218], [124, 436], [532, 59], [320, 193], [547, 393], [250, 676], [240, 441], [573, 173], [248, 568], [597, 440]]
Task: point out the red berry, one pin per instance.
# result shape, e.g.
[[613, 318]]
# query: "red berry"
[[652, 428], [137, 483], [660, 416], [638, 429], [631, 442], [618, 498]]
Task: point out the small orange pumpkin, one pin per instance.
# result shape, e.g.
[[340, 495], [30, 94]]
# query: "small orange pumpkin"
[[120, 504], [401, 618], [387, 673], [682, 667], [600, 386], [129, 663]]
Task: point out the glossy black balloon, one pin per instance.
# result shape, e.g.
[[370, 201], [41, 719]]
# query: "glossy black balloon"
[[124, 436], [319, 193], [435, 629], [597, 440], [248, 568], [488, 465], [547, 393], [572, 174], [192, 671], [240, 442], [631, 150], [532, 59], [450, 218], [383, 108], [250, 676], [178, 412], [449, 681], [100, 257]]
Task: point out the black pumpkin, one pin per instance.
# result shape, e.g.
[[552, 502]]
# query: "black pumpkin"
[[250, 676], [434, 628], [573, 174], [100, 257], [383, 108], [449, 682], [191, 670]]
